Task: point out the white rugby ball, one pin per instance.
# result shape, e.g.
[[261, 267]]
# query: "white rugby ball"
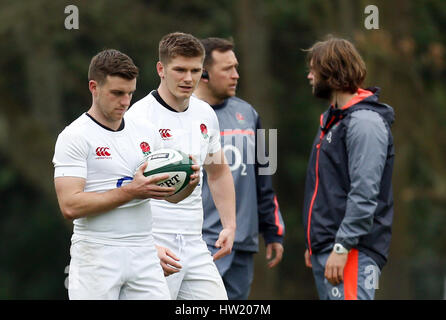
[[176, 163]]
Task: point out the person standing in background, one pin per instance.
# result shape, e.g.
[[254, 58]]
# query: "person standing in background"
[[348, 202], [257, 208]]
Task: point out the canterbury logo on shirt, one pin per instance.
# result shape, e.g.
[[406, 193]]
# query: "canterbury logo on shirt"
[[103, 152], [165, 133]]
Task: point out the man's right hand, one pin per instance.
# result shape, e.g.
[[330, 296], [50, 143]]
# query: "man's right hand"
[[307, 259]]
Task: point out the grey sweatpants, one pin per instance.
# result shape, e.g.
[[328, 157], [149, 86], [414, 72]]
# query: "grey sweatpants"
[[361, 277]]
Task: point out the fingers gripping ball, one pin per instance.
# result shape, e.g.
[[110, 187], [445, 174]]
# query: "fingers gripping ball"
[[176, 163]]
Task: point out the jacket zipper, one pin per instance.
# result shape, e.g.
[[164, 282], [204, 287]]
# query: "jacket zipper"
[[310, 211]]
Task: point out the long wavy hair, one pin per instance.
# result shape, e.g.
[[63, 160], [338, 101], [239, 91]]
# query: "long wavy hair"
[[337, 62]]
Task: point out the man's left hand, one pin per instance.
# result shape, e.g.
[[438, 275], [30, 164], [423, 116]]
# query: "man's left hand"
[[224, 242]]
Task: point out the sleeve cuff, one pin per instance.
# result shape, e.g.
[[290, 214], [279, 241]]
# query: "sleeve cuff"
[[272, 239], [346, 244]]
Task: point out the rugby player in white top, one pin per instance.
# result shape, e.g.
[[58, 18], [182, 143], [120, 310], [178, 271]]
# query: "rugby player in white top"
[[190, 125], [100, 187]]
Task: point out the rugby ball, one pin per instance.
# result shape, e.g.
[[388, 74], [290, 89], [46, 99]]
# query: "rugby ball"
[[176, 163]]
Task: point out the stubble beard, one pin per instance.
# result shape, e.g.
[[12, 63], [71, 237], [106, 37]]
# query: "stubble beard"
[[220, 94]]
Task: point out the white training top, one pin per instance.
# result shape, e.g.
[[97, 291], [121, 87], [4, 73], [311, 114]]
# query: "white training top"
[[194, 131], [107, 159]]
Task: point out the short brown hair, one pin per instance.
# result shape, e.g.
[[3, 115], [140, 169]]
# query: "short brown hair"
[[111, 62], [337, 62], [218, 44], [179, 44]]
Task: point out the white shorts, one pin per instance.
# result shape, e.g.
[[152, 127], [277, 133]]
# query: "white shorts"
[[105, 272], [198, 278]]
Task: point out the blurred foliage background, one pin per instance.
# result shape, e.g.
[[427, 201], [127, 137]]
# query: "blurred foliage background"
[[43, 87]]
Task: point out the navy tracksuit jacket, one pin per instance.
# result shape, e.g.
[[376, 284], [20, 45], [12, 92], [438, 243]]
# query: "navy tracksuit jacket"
[[348, 192]]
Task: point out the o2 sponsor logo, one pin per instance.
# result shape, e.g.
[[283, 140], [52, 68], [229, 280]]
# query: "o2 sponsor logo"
[[237, 156]]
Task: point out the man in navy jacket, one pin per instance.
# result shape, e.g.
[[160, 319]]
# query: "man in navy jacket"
[[348, 202]]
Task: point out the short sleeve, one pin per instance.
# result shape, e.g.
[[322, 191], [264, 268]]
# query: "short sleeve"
[[70, 156], [214, 139]]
